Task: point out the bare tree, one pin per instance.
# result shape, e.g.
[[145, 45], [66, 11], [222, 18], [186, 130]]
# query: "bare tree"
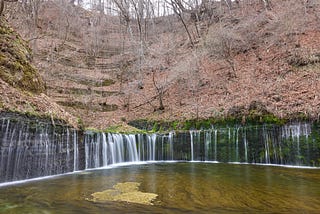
[[193, 80], [267, 4], [178, 9], [2, 4], [160, 88], [223, 43]]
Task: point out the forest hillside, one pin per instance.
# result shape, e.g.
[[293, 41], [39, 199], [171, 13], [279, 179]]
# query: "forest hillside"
[[117, 61], [21, 86]]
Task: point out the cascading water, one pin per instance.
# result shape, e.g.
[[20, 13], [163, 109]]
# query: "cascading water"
[[29, 150], [121, 148], [170, 139], [257, 144], [75, 151], [191, 145], [266, 144], [35, 149]]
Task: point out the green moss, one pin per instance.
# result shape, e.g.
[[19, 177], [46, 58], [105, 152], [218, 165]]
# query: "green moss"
[[94, 83], [266, 118], [73, 104], [155, 127], [80, 124], [124, 129], [126, 192], [15, 68], [105, 82], [175, 125], [32, 114], [39, 119], [114, 129], [206, 123], [89, 130]]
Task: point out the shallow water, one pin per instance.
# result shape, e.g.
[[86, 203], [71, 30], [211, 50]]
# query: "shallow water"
[[183, 187]]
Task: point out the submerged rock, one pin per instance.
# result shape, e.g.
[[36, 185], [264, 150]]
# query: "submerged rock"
[[126, 192]]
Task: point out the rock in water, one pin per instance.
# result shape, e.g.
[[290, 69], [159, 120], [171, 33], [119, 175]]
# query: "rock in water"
[[126, 192]]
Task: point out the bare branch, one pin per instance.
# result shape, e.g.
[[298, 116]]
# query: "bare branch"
[[2, 4]]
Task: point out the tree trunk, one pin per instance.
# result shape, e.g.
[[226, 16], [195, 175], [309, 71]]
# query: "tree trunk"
[[186, 28], [161, 106], [1, 6], [266, 4], [160, 91], [229, 4]]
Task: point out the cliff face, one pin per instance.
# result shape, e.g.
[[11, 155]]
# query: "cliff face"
[[21, 86], [15, 57]]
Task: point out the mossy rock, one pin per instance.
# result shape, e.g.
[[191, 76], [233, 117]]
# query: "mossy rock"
[[124, 129], [101, 83], [15, 66], [125, 192]]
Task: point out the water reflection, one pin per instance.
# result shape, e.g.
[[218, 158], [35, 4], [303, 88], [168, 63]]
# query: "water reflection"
[[181, 187]]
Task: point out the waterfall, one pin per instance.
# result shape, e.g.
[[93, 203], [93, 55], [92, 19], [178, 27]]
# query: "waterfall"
[[151, 142], [112, 148], [245, 142], [191, 145], [141, 150], [215, 144], [237, 144], [30, 149], [104, 150], [170, 139], [266, 145], [132, 148], [296, 137], [75, 151], [207, 148]]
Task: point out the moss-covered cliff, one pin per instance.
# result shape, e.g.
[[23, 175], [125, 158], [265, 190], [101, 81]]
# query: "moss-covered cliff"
[[21, 86], [15, 66]]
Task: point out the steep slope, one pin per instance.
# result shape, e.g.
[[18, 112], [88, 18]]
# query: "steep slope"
[[21, 87], [248, 61]]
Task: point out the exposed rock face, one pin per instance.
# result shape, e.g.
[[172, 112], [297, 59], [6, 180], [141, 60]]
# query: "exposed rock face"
[[15, 57]]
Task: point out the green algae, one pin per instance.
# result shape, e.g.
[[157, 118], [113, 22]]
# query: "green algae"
[[125, 192]]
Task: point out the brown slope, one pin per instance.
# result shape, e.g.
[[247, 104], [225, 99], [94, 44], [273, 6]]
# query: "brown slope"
[[277, 67], [21, 87]]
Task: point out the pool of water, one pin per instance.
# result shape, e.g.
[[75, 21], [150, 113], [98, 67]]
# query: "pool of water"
[[182, 187]]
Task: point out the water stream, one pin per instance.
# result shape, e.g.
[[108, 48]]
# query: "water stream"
[[31, 150]]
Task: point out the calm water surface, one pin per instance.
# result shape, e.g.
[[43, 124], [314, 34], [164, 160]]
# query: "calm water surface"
[[181, 188]]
